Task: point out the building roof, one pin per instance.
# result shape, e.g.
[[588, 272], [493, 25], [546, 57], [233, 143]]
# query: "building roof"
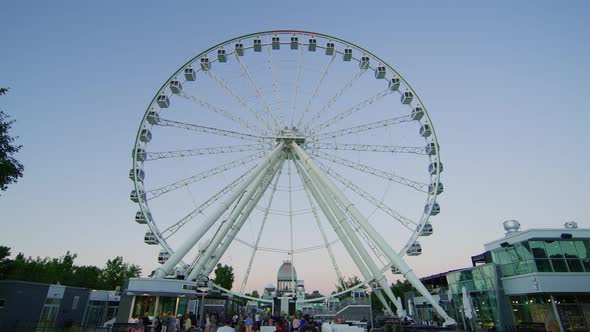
[[287, 272], [539, 233]]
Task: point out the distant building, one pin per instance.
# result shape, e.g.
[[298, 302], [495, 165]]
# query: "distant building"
[[531, 280], [31, 306]]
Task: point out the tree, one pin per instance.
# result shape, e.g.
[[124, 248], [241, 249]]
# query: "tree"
[[10, 168], [224, 276], [116, 271], [255, 294], [346, 284], [4, 261]]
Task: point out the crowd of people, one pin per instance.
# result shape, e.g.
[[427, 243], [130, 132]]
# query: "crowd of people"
[[168, 322]]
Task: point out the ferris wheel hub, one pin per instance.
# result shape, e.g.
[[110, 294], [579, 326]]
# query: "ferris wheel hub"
[[290, 134]]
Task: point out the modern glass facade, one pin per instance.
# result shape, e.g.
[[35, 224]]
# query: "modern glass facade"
[[537, 313], [543, 255], [481, 283]]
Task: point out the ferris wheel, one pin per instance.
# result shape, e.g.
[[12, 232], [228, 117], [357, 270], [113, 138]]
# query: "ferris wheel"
[[287, 144]]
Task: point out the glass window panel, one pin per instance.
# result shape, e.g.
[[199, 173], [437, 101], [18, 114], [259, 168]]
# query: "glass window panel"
[[586, 263], [553, 249], [508, 270], [543, 265], [569, 249], [524, 267], [538, 249], [575, 265], [476, 274], [559, 265], [523, 251], [583, 248], [504, 257]]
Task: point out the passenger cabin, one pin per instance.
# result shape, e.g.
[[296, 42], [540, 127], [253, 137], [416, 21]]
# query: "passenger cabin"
[[276, 43], [407, 97], [425, 130], [135, 197], [163, 256], [152, 117], [139, 154], [145, 135], [395, 270], [364, 63], [205, 64], [294, 42], [313, 43], [417, 113], [436, 189], [394, 83], [426, 230], [239, 49], [434, 167], [330, 48], [257, 45], [137, 175], [415, 249], [347, 54], [141, 219], [431, 148], [175, 86], [221, 55], [150, 238], [163, 101], [435, 209], [189, 74], [380, 72]]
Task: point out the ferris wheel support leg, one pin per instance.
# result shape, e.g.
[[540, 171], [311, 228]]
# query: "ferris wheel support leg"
[[332, 213], [185, 247], [393, 257], [233, 232], [252, 188], [362, 251]]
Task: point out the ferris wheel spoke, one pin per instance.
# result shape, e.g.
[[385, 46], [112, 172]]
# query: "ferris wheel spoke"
[[235, 221], [367, 147], [406, 222], [170, 230], [259, 236], [365, 127], [258, 93], [334, 98], [204, 151], [350, 111], [297, 84], [239, 99], [276, 86], [322, 232], [151, 194], [316, 89], [225, 113], [210, 130], [422, 187]]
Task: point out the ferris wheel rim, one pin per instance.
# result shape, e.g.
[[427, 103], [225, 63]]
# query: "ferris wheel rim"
[[436, 179]]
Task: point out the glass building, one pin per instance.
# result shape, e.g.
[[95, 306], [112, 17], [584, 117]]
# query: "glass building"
[[531, 280]]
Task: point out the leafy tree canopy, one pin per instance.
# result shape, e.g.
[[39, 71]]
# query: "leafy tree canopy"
[[63, 270], [10, 168], [224, 276]]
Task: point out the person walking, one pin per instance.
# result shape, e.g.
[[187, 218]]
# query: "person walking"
[[248, 322]]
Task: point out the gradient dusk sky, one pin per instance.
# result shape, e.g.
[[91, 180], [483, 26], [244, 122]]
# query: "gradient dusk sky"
[[505, 83]]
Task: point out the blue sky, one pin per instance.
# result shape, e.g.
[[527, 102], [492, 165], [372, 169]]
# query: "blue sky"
[[505, 84]]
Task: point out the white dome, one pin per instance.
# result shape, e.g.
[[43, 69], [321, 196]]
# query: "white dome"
[[287, 272]]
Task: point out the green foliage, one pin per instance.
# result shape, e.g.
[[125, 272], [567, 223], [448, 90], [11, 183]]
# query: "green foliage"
[[398, 288], [255, 294], [346, 284], [63, 270], [10, 168], [224, 276]]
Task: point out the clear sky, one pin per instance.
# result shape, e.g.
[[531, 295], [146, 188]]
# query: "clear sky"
[[505, 84]]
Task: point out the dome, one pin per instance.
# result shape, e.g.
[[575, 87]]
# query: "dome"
[[269, 287], [287, 272]]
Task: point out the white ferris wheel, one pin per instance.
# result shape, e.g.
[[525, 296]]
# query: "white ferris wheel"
[[288, 144]]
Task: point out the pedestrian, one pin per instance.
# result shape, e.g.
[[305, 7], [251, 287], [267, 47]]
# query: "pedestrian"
[[248, 323], [164, 322], [146, 321], [227, 327], [171, 322]]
